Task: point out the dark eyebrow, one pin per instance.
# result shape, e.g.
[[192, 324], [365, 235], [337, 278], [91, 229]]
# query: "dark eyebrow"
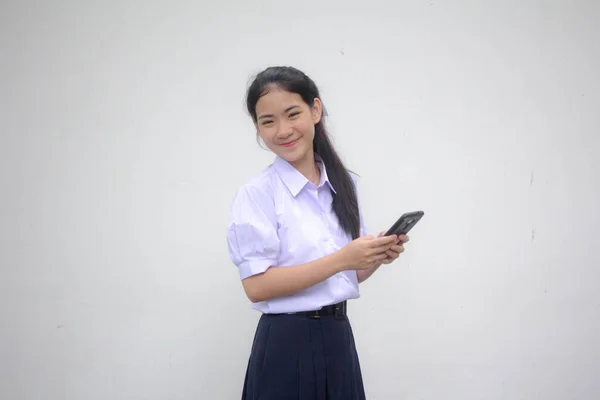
[[285, 111]]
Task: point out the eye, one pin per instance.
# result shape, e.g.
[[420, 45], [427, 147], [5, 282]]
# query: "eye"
[[267, 123], [294, 114]]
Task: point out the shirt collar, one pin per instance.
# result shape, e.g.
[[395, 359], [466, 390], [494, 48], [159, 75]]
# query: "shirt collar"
[[294, 180]]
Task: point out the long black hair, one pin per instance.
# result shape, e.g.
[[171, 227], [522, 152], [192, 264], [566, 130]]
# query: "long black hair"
[[345, 202]]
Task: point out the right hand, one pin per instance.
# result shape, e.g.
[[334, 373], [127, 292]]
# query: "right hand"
[[365, 251]]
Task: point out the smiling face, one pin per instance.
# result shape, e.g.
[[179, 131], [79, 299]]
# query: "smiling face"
[[286, 124]]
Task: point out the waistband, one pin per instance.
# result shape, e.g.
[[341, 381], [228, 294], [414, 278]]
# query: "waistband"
[[337, 310]]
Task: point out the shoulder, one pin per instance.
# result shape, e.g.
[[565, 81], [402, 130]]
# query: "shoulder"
[[256, 193], [252, 227]]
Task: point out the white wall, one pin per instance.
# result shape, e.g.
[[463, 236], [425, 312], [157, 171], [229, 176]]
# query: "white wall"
[[120, 126]]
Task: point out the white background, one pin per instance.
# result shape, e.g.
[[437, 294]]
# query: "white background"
[[124, 138]]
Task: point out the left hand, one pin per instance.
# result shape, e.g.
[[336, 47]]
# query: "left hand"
[[395, 250]]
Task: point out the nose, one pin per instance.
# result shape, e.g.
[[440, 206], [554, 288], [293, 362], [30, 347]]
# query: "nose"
[[284, 130]]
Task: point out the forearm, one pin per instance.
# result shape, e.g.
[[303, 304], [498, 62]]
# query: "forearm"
[[364, 274], [283, 281]]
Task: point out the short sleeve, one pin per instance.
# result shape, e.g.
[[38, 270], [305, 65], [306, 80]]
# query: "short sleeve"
[[363, 228], [251, 232]]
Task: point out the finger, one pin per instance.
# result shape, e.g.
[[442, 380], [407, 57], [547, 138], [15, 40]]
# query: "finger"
[[403, 238], [391, 256], [393, 247], [381, 249], [384, 240], [377, 258], [388, 246], [396, 250]]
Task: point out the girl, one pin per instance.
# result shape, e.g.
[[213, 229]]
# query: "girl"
[[298, 239]]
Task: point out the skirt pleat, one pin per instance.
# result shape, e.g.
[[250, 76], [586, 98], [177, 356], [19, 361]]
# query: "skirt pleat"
[[301, 358]]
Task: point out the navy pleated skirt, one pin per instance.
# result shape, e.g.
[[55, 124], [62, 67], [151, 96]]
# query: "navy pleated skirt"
[[302, 358]]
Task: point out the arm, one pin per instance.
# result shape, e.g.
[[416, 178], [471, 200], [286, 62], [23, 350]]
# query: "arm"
[[283, 281], [364, 274], [359, 255], [254, 248]]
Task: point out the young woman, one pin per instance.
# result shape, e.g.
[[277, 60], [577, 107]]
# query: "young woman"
[[298, 239]]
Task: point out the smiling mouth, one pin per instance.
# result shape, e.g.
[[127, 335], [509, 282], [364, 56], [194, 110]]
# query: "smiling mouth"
[[289, 144]]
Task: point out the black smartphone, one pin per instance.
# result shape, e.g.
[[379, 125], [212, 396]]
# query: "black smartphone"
[[405, 223]]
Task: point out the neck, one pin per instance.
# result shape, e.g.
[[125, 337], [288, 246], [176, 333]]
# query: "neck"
[[308, 167]]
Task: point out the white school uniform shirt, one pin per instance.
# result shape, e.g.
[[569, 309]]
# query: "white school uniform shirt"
[[280, 218]]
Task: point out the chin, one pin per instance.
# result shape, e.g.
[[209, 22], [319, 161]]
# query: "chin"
[[293, 155]]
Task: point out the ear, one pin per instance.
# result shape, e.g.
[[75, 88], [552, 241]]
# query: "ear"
[[317, 110]]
